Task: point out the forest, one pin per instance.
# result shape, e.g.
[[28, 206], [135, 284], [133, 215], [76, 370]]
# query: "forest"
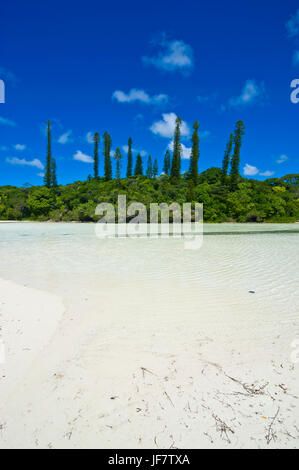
[[225, 194]]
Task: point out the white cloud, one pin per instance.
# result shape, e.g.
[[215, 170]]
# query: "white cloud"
[[143, 153], [41, 174], [7, 122], [89, 137], [82, 157], [65, 138], [252, 92], [174, 55], [20, 147], [296, 58], [186, 151], [283, 158], [292, 25], [22, 161], [166, 127], [139, 95], [250, 170]]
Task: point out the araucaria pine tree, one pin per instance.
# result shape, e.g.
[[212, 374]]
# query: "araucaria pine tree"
[[96, 140], [155, 168], [47, 177], [53, 178], [130, 158], [193, 170], [149, 170], [235, 162], [166, 166], [177, 150], [227, 156], [117, 157], [138, 166], [107, 158]]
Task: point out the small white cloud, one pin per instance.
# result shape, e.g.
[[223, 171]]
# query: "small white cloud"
[[89, 137], [252, 93], [139, 95], [250, 170], [7, 122], [283, 158], [22, 161], [65, 138], [166, 127], [174, 55], [143, 153], [41, 174], [185, 153], [292, 25], [82, 157], [20, 147]]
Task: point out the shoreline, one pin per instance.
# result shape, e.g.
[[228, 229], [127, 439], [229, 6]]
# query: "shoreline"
[[92, 380]]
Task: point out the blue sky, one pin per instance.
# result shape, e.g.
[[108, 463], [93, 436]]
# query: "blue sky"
[[130, 68]]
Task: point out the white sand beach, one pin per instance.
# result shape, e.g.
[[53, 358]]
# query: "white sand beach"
[[142, 344]]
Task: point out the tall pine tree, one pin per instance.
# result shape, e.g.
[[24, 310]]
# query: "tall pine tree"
[[177, 150], [155, 168], [227, 156], [130, 158], [149, 170], [193, 170], [138, 166], [47, 176], [107, 157], [96, 140], [53, 178], [166, 167], [117, 157], [235, 163]]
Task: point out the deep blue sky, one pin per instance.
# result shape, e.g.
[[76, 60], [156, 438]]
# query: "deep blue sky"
[[217, 62]]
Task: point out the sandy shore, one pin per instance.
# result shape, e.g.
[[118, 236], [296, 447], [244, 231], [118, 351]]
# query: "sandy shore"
[[84, 379]]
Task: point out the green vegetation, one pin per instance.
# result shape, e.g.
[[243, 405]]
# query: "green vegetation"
[[96, 155], [177, 150], [227, 197], [129, 158], [50, 171], [193, 170], [274, 200]]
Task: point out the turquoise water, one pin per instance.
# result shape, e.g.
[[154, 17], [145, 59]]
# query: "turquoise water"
[[68, 259]]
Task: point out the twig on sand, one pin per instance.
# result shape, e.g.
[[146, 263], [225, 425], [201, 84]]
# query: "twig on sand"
[[270, 434], [146, 370], [223, 428], [169, 398], [250, 389]]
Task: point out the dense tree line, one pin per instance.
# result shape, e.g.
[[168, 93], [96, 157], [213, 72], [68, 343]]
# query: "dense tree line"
[[273, 200], [225, 194]]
